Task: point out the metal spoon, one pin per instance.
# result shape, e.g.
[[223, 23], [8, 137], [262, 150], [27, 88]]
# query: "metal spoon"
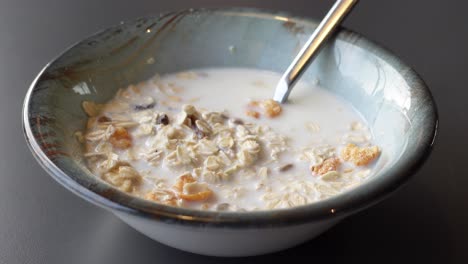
[[310, 50]]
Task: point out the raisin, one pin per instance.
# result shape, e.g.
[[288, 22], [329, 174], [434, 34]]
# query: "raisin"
[[285, 167], [162, 119], [238, 121]]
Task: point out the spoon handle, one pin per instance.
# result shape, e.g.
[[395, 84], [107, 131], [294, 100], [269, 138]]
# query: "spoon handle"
[[309, 51]]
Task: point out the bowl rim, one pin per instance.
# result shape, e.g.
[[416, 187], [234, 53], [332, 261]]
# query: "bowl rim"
[[335, 207]]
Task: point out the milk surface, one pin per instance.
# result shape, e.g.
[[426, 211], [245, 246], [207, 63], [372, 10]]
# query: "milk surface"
[[312, 117]]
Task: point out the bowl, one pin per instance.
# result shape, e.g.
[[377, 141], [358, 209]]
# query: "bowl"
[[392, 98]]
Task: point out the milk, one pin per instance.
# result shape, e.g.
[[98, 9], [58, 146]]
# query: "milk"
[[312, 117]]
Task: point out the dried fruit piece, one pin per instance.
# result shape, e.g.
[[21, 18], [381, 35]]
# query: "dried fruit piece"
[[330, 164], [162, 119], [121, 138], [271, 108], [360, 156]]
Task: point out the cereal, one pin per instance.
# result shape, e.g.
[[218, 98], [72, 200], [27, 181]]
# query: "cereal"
[[330, 176], [195, 191], [153, 141], [360, 156], [123, 176], [182, 180], [166, 197], [91, 109], [330, 164], [189, 189], [120, 138], [271, 108]]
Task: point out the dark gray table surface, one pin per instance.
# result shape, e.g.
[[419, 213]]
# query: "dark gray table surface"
[[424, 222]]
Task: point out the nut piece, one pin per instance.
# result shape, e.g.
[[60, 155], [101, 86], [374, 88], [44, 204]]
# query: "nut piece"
[[360, 156], [330, 164], [271, 108], [120, 138]]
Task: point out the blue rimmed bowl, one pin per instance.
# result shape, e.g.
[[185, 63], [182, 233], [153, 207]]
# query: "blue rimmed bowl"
[[388, 93]]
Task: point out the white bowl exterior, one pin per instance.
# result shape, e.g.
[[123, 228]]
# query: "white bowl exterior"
[[235, 242]]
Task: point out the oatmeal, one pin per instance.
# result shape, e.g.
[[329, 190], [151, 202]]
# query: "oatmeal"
[[213, 140]]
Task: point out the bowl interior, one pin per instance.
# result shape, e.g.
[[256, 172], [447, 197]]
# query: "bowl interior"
[[389, 95]]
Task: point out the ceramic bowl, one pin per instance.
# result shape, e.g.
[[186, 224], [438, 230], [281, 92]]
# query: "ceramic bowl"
[[388, 93]]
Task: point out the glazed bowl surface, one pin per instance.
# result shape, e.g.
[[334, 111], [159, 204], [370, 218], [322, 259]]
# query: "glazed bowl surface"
[[390, 96]]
